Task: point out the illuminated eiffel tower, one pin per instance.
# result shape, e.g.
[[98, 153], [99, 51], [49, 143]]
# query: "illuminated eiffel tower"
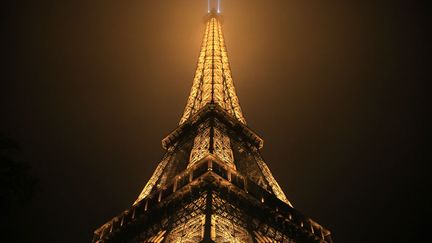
[[212, 184]]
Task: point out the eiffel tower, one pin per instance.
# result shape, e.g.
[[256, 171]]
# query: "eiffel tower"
[[212, 184]]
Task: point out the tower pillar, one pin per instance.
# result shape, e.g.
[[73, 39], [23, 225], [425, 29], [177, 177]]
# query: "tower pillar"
[[208, 218]]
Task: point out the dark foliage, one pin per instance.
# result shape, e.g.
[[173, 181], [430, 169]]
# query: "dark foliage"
[[17, 186]]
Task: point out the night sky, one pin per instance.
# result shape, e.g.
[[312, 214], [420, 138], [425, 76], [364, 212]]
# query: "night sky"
[[336, 89]]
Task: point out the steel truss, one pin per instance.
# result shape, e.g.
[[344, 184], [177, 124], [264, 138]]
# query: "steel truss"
[[212, 185], [236, 210]]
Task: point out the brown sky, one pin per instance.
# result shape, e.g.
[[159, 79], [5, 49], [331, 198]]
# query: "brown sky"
[[335, 88]]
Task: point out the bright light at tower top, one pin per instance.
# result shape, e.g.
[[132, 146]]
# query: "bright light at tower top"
[[213, 5]]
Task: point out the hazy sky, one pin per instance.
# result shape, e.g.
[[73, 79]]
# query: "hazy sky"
[[335, 88]]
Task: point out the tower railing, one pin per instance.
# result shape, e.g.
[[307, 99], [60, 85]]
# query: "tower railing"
[[210, 167]]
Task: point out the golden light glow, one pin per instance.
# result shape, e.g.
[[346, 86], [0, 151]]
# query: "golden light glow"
[[221, 143], [225, 231], [190, 232], [206, 200], [213, 80], [156, 175], [213, 83], [201, 146], [277, 190]]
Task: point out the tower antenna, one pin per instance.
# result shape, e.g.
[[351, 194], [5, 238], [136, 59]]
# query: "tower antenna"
[[214, 5]]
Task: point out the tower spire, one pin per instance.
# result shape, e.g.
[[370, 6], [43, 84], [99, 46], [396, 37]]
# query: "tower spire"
[[213, 82]]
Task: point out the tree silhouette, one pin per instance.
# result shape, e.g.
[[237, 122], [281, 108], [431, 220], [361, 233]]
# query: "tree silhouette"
[[17, 186]]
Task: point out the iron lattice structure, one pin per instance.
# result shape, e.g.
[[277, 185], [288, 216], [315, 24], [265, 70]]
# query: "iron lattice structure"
[[212, 184]]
